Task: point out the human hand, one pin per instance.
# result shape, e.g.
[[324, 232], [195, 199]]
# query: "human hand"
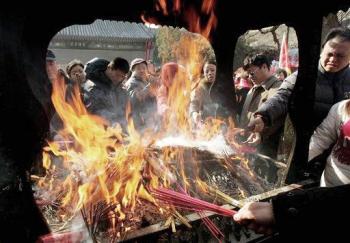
[[257, 124], [257, 216], [254, 139], [237, 139]]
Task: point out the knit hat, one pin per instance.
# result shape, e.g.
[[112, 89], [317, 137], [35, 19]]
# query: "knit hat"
[[135, 62]]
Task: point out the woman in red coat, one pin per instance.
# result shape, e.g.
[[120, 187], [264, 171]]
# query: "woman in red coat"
[[173, 93]]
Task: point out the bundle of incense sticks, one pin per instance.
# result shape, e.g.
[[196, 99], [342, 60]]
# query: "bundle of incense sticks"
[[184, 201], [214, 230], [67, 237]]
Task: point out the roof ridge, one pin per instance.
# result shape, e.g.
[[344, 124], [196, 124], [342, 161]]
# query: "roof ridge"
[[107, 30]]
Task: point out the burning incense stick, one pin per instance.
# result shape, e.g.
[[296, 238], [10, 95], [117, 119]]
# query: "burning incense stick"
[[224, 197], [185, 201]]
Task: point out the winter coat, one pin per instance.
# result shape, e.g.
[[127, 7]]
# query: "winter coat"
[[143, 102], [329, 133], [102, 97], [312, 215], [167, 76], [255, 98], [330, 89], [201, 101], [258, 95]]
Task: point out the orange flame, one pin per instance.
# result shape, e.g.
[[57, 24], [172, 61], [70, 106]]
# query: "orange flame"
[[192, 17], [177, 6], [101, 163], [208, 6], [162, 5]]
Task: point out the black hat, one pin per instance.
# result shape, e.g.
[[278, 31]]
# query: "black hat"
[[50, 56]]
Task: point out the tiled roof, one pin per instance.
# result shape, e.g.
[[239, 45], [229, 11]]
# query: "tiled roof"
[[344, 18], [106, 30]]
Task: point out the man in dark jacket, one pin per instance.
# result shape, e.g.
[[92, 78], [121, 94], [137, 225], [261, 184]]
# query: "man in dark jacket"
[[104, 93], [332, 84], [312, 215]]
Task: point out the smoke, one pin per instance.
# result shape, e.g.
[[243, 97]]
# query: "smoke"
[[216, 145]]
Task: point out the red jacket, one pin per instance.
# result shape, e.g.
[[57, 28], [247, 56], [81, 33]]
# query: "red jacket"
[[170, 72]]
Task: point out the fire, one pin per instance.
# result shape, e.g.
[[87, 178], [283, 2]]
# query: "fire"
[[177, 6], [90, 162], [191, 16], [162, 5], [101, 162], [208, 6], [177, 120]]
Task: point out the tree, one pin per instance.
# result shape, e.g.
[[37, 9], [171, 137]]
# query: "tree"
[[186, 48], [166, 40]]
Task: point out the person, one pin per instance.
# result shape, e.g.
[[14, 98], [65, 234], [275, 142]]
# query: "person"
[[54, 72], [201, 105], [77, 76], [332, 84], [52, 68], [143, 101], [265, 86], [281, 74], [152, 75], [334, 132], [175, 84], [75, 71], [301, 215], [242, 87], [51, 65], [104, 94]]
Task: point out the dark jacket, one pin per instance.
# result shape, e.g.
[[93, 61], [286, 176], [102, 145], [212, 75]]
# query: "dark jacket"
[[101, 96], [330, 89], [313, 215], [95, 70]]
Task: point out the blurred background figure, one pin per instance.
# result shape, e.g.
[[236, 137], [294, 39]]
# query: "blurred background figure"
[[151, 71], [173, 81], [143, 100], [51, 65], [76, 75], [52, 68], [75, 71], [104, 94], [281, 74], [153, 76], [201, 105], [242, 86]]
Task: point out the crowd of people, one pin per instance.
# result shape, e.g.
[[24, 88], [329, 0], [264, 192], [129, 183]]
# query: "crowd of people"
[[262, 98], [312, 214], [107, 87]]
